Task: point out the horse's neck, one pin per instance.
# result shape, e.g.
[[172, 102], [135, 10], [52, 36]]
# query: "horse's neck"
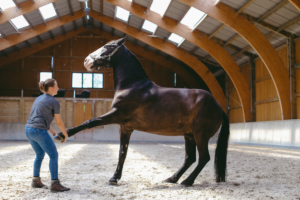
[[128, 71]]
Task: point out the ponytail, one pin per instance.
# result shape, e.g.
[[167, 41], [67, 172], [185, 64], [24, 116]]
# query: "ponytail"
[[44, 85]]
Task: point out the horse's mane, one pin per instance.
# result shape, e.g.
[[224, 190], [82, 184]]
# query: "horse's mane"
[[137, 61]]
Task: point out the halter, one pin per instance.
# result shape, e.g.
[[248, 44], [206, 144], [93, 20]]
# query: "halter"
[[106, 58]]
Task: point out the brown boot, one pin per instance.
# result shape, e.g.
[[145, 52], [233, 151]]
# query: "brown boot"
[[37, 183], [57, 187]]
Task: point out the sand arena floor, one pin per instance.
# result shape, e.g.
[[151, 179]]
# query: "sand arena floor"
[[254, 172]]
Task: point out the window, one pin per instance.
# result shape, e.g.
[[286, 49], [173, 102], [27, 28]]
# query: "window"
[[149, 26], [160, 6], [20, 22], [45, 75], [47, 11], [6, 4], [175, 38], [87, 80], [192, 17], [122, 14]]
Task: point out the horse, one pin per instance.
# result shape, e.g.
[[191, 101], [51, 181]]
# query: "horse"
[[140, 104]]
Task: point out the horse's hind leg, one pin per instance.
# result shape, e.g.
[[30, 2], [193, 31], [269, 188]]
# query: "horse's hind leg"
[[202, 146], [190, 158], [124, 141]]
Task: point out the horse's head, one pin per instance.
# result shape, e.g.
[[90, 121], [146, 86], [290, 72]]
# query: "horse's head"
[[102, 56]]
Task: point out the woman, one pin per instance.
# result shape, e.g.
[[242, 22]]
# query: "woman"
[[44, 109]]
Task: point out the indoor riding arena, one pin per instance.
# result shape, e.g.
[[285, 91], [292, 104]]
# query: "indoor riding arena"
[[202, 98]]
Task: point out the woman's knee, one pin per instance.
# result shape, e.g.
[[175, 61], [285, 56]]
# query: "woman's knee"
[[40, 156], [54, 155]]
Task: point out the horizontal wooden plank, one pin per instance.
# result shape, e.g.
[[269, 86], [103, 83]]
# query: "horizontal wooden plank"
[[267, 101]]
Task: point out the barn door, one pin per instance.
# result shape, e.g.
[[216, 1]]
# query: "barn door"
[[83, 112]]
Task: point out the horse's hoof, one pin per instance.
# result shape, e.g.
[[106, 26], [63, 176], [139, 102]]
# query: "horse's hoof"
[[186, 183], [113, 181], [170, 180], [58, 138]]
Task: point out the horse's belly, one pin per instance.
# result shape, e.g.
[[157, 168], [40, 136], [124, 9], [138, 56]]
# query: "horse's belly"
[[165, 128]]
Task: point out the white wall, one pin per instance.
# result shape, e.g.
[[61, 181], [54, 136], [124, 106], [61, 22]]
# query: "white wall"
[[282, 133]]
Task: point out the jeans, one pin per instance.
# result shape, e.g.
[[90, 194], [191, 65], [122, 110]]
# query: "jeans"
[[41, 142]]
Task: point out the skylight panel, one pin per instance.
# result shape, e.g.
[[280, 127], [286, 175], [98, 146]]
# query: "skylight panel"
[[6, 4], [129, 0], [48, 11], [20, 22], [149, 26], [160, 6], [192, 17], [122, 14], [175, 38], [217, 2]]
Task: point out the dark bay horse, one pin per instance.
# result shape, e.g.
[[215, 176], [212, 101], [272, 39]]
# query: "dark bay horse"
[[140, 104]]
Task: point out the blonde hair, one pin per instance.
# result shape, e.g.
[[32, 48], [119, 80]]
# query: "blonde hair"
[[44, 85]]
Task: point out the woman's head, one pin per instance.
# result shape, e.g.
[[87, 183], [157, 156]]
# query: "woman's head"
[[49, 86]]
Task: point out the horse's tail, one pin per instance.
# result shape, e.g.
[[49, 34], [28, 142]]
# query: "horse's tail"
[[221, 151]]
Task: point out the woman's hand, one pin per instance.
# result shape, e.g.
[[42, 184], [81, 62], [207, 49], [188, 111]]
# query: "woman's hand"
[[52, 131], [66, 137]]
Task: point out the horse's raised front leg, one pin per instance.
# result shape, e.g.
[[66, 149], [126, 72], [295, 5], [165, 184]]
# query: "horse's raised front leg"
[[190, 158], [108, 118], [124, 141]]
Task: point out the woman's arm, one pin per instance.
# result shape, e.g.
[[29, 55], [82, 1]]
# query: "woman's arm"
[[52, 131], [61, 126]]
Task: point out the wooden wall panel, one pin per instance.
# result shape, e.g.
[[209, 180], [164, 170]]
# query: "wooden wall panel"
[[260, 70], [284, 56], [230, 84], [246, 72], [9, 111], [298, 107], [69, 114], [98, 108], [62, 64], [236, 115], [265, 90], [63, 79], [268, 111], [38, 63], [63, 48], [77, 64], [27, 108], [298, 80], [297, 54], [147, 65], [108, 83], [234, 99], [17, 65], [45, 52], [83, 45]]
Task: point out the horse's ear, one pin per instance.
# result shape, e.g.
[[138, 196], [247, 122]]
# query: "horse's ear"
[[122, 40]]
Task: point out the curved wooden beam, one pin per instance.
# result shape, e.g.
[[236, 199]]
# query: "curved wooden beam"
[[159, 59], [25, 7], [201, 40], [39, 29], [296, 3], [258, 41], [39, 46], [170, 49]]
